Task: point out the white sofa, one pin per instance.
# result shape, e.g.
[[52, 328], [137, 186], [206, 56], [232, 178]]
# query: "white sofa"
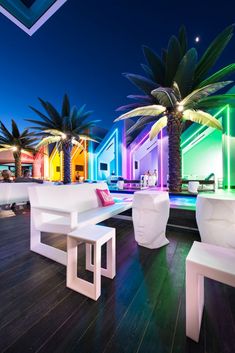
[[215, 215], [15, 192], [61, 209]]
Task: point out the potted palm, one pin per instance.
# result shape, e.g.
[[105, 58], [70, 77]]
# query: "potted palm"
[[177, 89], [17, 142], [65, 129]]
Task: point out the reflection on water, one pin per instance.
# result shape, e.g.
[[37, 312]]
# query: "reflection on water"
[[183, 201]]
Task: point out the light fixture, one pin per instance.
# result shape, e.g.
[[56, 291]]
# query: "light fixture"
[[197, 39], [180, 108]]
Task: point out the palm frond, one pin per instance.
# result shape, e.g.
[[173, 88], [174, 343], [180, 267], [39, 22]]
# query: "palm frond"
[[203, 118], [213, 53], [155, 64], [165, 96], [173, 58], [147, 71], [141, 122], [54, 132], [131, 106], [6, 133], [15, 130], [182, 37], [157, 127], [42, 116], [48, 140], [219, 75], [142, 83], [77, 143], [202, 92], [185, 72], [87, 138], [65, 106], [150, 110], [176, 90], [52, 113], [216, 101]]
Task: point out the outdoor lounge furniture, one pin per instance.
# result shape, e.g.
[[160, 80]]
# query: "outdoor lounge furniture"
[[95, 236], [14, 192], [215, 215], [205, 260], [150, 215], [64, 208]]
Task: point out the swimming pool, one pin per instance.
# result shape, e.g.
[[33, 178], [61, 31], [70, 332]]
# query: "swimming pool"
[[183, 201], [187, 202]]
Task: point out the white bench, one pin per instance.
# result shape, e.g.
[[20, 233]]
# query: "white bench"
[[205, 260], [61, 209], [15, 192], [94, 236]]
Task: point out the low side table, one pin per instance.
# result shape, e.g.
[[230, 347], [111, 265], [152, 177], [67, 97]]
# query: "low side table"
[[95, 236]]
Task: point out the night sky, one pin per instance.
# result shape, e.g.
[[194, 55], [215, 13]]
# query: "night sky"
[[87, 45]]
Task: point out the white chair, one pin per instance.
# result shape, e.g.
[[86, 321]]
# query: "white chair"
[[215, 215], [205, 260], [150, 215], [94, 236]]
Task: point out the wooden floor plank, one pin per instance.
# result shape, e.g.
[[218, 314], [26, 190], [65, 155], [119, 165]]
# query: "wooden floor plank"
[[141, 310]]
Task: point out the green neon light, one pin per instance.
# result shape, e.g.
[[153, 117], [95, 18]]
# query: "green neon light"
[[228, 148], [201, 127]]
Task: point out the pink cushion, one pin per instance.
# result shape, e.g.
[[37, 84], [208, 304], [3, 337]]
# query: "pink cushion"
[[105, 197]]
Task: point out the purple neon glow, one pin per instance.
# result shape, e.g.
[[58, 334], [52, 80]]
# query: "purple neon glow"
[[161, 160], [131, 170], [131, 166]]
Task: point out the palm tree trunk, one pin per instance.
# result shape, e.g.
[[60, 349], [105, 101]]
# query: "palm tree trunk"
[[18, 169], [67, 148], [174, 128]]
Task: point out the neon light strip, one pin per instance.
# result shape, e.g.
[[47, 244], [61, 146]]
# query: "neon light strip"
[[131, 164], [85, 159], [43, 18], [161, 161], [115, 133], [202, 127], [228, 148]]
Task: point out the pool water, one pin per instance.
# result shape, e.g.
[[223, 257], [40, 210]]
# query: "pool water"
[[185, 202]]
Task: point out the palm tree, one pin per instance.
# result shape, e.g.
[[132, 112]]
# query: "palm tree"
[[17, 142], [65, 129], [177, 89]]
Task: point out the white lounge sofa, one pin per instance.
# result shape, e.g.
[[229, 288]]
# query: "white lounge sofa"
[[15, 192], [61, 209]]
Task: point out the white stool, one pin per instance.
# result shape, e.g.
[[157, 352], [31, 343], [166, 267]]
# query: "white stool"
[[150, 213], [96, 236], [205, 260]]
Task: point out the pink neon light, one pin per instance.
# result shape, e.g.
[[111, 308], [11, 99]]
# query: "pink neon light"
[[161, 157], [161, 161], [132, 151]]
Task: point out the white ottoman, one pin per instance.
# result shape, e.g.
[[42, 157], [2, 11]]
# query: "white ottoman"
[[96, 236], [150, 213], [205, 260], [215, 215]]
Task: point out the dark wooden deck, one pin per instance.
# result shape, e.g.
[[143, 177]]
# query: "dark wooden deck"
[[141, 310]]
